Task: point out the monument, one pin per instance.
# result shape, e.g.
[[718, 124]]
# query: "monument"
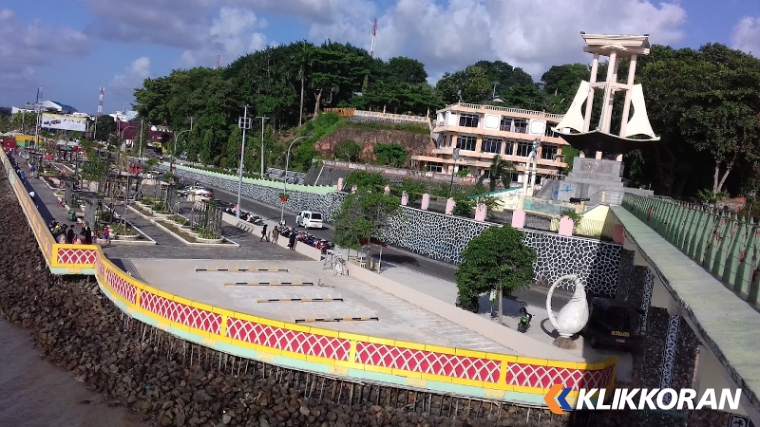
[[599, 178]]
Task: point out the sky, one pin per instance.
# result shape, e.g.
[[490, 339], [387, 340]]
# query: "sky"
[[71, 48]]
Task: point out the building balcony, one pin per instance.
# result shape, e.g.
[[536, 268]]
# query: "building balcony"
[[545, 167], [498, 133], [448, 153], [464, 107]]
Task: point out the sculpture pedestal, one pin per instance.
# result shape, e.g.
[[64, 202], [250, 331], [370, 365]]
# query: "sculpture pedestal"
[[565, 343], [591, 178]]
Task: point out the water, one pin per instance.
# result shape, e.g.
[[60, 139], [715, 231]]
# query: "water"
[[36, 393]]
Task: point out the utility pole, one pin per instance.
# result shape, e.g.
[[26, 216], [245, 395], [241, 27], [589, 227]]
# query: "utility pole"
[[142, 125], [245, 124], [263, 119], [39, 121]]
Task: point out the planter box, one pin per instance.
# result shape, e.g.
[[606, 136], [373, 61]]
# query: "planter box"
[[209, 241], [127, 238]]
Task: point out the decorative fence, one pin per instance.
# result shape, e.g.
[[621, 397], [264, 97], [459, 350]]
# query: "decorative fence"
[[721, 242]]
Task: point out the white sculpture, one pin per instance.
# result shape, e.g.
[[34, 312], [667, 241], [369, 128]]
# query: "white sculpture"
[[573, 316]]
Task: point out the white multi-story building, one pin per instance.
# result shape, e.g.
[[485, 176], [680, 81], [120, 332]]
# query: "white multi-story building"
[[482, 132]]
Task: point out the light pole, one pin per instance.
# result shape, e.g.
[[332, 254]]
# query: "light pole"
[[245, 124], [453, 170], [287, 165], [122, 135], [263, 119], [174, 151]]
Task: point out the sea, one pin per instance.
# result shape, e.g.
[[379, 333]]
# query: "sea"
[[36, 393]]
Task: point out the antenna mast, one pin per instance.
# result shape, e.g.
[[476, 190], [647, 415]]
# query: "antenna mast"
[[374, 35], [218, 62], [100, 101]]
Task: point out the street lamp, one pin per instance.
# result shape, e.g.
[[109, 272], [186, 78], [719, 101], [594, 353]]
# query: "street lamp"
[[263, 119], [245, 124], [453, 170], [174, 151], [287, 165], [122, 134]]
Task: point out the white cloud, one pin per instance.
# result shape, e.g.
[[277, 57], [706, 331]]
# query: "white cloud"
[[133, 76], [232, 34], [531, 35], [746, 35], [26, 46]]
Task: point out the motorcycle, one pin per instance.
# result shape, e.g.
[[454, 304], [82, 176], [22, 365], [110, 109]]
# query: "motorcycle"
[[525, 319]]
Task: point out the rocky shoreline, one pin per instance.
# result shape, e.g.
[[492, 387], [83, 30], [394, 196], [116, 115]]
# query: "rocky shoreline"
[[173, 382]]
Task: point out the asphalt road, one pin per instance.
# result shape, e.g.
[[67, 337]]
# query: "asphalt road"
[[535, 295]]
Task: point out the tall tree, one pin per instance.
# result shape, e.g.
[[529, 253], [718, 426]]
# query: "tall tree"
[[405, 70]]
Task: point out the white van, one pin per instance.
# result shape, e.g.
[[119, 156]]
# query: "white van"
[[309, 219]]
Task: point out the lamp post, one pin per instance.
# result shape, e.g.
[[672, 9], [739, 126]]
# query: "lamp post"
[[245, 124], [174, 151], [287, 165], [263, 119], [453, 170]]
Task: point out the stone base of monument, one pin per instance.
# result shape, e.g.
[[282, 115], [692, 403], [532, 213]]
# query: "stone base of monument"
[[597, 179], [565, 343]]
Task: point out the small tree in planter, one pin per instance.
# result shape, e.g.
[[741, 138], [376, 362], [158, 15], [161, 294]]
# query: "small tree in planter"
[[284, 197]]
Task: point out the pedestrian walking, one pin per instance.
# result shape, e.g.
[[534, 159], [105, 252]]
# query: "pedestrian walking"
[[264, 234], [275, 234], [292, 240], [107, 235]]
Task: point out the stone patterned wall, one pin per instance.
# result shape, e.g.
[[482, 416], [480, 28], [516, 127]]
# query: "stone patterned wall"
[[328, 204], [444, 237]]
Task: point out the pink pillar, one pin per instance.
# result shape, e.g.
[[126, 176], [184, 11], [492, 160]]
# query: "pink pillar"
[[387, 190], [340, 184], [449, 206], [566, 226], [618, 234], [425, 201], [353, 189], [518, 219], [480, 212], [404, 199]]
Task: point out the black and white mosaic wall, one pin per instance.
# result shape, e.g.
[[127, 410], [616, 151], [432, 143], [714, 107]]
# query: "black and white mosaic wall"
[[297, 201], [444, 237]]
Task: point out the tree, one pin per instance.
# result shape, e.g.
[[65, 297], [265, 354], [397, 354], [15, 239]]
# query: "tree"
[[106, 127], [390, 154], [496, 260], [500, 170], [347, 150], [362, 216], [365, 180], [401, 69]]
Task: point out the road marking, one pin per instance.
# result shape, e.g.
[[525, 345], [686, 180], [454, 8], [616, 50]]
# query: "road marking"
[[241, 270], [338, 319], [299, 300], [269, 284]]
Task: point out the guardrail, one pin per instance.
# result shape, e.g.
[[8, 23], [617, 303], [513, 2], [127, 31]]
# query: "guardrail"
[[409, 364], [721, 242]]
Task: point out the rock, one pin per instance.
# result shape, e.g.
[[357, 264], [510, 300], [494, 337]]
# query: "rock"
[[304, 411], [226, 419]]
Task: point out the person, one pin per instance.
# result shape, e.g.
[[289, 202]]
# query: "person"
[[70, 235], [275, 234], [264, 233], [292, 240], [22, 175], [107, 235]]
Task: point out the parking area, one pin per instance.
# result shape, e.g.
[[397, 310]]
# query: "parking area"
[[317, 294]]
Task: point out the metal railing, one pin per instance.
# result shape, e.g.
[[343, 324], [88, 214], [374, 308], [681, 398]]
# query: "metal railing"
[[511, 110], [723, 243]]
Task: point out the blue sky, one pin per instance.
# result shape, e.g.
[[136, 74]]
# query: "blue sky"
[[73, 47]]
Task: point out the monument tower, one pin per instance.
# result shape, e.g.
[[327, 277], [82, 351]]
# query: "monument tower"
[[600, 178]]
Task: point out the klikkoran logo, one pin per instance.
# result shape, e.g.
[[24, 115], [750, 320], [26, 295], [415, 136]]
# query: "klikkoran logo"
[[664, 399]]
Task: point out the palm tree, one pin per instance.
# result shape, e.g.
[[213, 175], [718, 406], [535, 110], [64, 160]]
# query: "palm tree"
[[500, 170]]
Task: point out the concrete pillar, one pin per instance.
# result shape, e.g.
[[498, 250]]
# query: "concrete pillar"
[[609, 95], [590, 99], [450, 206], [627, 102], [404, 199], [518, 219], [340, 184], [480, 212], [425, 201], [566, 226]]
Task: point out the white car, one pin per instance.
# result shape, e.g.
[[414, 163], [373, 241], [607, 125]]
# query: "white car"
[[309, 219]]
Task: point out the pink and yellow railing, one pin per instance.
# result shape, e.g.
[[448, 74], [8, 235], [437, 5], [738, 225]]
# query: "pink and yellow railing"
[[409, 364]]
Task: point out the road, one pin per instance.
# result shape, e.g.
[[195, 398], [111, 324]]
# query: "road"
[[535, 295]]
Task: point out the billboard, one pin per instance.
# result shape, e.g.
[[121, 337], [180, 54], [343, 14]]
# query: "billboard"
[[57, 121]]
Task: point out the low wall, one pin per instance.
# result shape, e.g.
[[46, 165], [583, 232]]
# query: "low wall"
[[359, 357]]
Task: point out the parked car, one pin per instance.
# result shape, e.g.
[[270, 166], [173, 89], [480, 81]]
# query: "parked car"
[[612, 323], [197, 190], [309, 219]]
